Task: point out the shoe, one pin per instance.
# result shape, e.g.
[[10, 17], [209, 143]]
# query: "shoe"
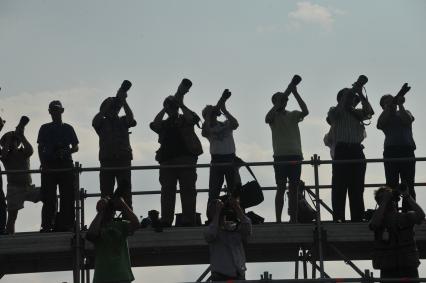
[[46, 230]]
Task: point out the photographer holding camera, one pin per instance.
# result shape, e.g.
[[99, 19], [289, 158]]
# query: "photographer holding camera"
[[178, 145], [396, 123], [395, 249], [3, 206], [222, 145], [287, 146], [114, 143], [15, 155], [109, 236], [348, 132], [57, 142], [226, 233]]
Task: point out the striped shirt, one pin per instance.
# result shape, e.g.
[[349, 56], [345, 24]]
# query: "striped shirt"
[[345, 127]]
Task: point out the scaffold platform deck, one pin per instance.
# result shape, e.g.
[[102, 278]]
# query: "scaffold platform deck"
[[270, 242]]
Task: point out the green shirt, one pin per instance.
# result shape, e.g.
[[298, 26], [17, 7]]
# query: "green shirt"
[[286, 134], [112, 260]]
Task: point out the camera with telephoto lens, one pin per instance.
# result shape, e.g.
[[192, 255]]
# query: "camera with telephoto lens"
[[184, 87], [22, 123], [405, 88], [360, 83], [295, 80]]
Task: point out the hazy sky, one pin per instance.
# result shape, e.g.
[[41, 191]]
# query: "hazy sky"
[[80, 51]]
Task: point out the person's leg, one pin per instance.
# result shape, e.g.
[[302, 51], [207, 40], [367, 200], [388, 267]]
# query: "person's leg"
[[338, 194], [281, 181], [356, 187], [106, 180], [3, 208], [408, 272], [293, 189], [11, 219], [168, 181], [66, 198], [188, 194], [124, 183], [48, 197], [216, 179], [391, 169], [408, 173]]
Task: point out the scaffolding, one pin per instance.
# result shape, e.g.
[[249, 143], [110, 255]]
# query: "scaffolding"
[[315, 256]]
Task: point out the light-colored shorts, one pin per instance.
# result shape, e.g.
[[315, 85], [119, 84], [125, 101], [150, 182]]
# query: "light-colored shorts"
[[17, 195]]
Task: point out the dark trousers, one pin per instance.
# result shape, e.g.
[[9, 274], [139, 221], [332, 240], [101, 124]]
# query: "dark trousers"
[[405, 170], [220, 173], [3, 208], [290, 173], [348, 178], [188, 194], [107, 180], [401, 272], [63, 220]]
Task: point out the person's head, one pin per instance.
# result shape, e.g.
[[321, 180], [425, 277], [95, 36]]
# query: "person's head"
[[11, 140], [184, 86], [387, 101], [171, 106], [379, 196], [110, 107], [106, 206], [279, 98], [56, 110], [347, 97], [210, 112]]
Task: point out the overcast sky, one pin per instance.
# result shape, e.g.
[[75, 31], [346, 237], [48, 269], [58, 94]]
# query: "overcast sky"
[[80, 51]]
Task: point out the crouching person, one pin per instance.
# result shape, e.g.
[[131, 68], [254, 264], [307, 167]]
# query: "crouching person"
[[15, 155], [395, 249], [109, 235], [225, 235]]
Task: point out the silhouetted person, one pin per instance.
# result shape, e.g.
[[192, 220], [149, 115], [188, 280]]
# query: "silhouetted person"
[[3, 206], [226, 233], [114, 144], [348, 132], [178, 145], [222, 146], [15, 155], [109, 235], [395, 249], [57, 141], [399, 142], [287, 146]]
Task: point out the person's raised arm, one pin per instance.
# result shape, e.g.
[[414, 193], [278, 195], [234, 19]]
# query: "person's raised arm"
[[156, 124], [416, 211], [245, 225], [379, 215], [405, 115], [27, 147], [384, 117], [301, 103], [94, 230], [366, 106], [210, 233], [129, 114], [189, 115], [232, 120]]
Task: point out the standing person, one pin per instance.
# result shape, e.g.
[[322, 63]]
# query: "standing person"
[[15, 155], [348, 132], [114, 143], [57, 142], [222, 146], [395, 250], [287, 146], [399, 142], [226, 233], [109, 235], [179, 145], [3, 206]]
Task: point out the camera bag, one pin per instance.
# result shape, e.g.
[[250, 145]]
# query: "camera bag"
[[251, 193]]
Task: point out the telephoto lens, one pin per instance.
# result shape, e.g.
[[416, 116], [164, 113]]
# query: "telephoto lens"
[[126, 85], [296, 80], [362, 80], [23, 122]]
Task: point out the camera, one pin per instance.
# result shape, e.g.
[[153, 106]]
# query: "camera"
[[405, 88], [228, 211], [184, 87], [125, 85], [360, 83], [225, 96], [22, 123], [295, 80]]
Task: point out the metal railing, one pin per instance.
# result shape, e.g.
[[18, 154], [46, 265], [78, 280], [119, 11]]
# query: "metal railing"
[[80, 196]]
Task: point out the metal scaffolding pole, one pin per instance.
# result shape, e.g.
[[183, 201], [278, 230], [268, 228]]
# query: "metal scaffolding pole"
[[315, 162], [77, 227]]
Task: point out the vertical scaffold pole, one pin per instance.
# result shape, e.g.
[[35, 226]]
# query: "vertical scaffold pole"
[[77, 228], [316, 163]]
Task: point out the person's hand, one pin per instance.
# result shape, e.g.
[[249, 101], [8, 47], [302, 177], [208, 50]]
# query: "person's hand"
[[404, 89], [234, 203], [122, 95], [400, 100]]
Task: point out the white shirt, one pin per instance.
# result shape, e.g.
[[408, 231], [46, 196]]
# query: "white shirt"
[[221, 138]]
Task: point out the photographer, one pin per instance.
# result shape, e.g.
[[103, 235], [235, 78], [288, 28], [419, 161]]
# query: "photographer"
[[109, 235], [3, 206], [222, 146], [396, 124], [287, 146], [227, 232], [15, 155], [347, 127], [395, 249], [179, 145], [114, 143], [57, 142]]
